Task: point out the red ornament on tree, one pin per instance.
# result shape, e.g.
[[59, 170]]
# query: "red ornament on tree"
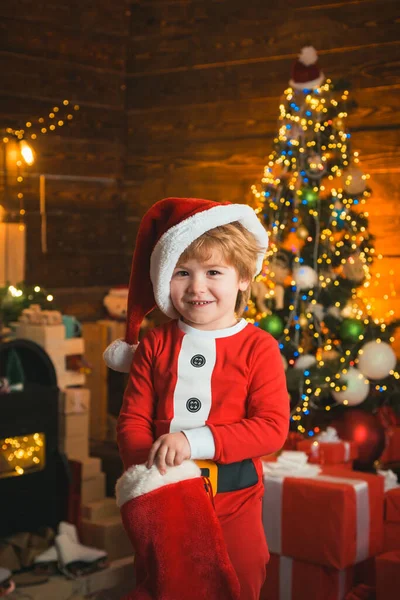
[[356, 425]]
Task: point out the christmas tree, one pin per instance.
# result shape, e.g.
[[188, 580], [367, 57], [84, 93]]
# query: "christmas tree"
[[312, 295]]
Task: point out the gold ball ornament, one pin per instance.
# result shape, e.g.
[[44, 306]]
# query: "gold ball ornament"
[[302, 232]]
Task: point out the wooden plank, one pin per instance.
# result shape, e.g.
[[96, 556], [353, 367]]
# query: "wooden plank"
[[95, 337], [106, 123], [63, 155], [255, 117], [66, 194], [176, 35], [365, 67], [56, 80], [377, 150], [55, 42], [111, 17]]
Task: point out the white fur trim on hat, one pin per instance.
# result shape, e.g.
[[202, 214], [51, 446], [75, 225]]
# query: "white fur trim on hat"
[[118, 356], [176, 239], [305, 85], [139, 480]]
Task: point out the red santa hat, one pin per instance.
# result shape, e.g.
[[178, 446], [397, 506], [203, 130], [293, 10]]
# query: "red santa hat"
[[166, 230], [306, 72]]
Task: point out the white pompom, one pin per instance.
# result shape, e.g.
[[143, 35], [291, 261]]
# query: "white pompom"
[[305, 362], [357, 388], [118, 356], [305, 277], [376, 360], [308, 55]]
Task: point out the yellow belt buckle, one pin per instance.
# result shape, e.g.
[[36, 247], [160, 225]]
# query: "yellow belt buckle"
[[213, 472]]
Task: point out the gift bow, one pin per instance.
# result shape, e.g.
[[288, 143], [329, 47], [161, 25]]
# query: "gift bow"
[[390, 479], [330, 436], [291, 464]]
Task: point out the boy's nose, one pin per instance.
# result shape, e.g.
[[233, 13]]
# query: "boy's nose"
[[196, 285]]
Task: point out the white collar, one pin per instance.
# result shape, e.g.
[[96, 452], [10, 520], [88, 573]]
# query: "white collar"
[[213, 333]]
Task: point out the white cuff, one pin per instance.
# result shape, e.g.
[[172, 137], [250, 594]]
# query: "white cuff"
[[201, 442]]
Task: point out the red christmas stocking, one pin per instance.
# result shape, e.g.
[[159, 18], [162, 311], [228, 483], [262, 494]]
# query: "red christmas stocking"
[[171, 522]]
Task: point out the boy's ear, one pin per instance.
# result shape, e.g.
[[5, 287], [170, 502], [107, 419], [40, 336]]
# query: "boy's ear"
[[244, 284]]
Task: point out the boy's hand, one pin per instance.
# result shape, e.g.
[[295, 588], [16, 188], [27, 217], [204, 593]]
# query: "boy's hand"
[[170, 449]]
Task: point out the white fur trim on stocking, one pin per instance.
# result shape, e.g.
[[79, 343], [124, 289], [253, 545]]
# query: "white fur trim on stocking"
[[118, 355], [70, 552], [176, 239], [139, 480]]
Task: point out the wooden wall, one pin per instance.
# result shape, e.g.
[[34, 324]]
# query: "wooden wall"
[[180, 97]]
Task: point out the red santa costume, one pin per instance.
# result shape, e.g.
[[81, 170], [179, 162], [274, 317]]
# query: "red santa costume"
[[225, 389]]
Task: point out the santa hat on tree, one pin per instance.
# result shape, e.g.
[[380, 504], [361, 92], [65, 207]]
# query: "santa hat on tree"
[[166, 230], [180, 552], [306, 73]]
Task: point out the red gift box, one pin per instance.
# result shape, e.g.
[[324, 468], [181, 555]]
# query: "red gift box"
[[391, 453], [290, 579], [388, 576], [391, 537], [392, 505], [329, 453], [334, 519]]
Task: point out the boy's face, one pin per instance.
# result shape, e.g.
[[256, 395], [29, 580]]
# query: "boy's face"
[[204, 293]]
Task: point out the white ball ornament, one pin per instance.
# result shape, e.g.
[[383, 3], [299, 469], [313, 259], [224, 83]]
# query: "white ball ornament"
[[357, 388], [376, 360], [305, 362], [305, 277]]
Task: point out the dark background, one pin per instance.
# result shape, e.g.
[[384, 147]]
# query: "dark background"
[[179, 97]]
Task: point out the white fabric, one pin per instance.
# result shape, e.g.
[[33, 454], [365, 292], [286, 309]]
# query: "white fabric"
[[202, 444], [176, 239], [193, 393], [139, 480], [214, 333], [118, 355]]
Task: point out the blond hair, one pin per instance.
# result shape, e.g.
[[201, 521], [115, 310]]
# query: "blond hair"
[[239, 249]]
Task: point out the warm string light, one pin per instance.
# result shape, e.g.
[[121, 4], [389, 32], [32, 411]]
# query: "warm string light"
[[20, 455], [298, 172], [57, 117]]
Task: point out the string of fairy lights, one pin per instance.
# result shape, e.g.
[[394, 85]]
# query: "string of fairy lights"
[[313, 181], [22, 454], [24, 139]]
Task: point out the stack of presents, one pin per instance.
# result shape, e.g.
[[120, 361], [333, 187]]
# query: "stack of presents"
[[333, 533], [96, 516]]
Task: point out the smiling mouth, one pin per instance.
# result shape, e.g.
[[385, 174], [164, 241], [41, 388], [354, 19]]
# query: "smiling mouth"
[[202, 303]]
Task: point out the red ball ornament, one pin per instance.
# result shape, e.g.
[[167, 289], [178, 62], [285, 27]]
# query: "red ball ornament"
[[356, 425]]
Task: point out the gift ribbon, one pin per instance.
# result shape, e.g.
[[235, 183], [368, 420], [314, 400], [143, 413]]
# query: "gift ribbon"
[[272, 512], [285, 580], [316, 446]]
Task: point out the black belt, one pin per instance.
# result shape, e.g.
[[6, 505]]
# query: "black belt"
[[229, 478]]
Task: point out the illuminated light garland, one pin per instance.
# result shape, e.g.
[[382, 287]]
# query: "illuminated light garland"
[[310, 119]]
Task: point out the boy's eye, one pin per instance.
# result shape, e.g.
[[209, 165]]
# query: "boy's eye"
[[181, 273], [214, 272]]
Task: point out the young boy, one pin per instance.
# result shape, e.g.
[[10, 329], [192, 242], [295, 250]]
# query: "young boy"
[[206, 386]]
